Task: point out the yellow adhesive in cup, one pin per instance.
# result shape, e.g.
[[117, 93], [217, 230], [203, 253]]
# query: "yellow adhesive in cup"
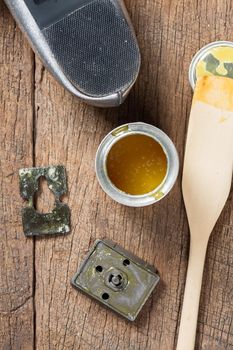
[[136, 164]]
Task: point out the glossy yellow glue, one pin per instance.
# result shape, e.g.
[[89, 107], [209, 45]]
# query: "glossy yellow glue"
[[223, 55], [136, 164], [214, 59]]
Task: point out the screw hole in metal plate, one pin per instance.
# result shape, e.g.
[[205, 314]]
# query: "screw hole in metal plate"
[[99, 268], [126, 262], [105, 296]]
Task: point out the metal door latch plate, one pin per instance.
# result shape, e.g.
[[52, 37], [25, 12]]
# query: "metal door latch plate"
[[116, 278], [35, 223]]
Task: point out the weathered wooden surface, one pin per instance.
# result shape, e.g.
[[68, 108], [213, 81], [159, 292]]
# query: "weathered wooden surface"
[[16, 253], [42, 124]]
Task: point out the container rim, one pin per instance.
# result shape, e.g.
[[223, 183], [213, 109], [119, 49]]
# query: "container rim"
[[172, 164]]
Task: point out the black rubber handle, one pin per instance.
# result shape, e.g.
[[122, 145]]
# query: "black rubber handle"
[[47, 12]]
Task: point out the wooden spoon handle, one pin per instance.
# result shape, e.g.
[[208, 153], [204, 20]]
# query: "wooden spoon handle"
[[188, 323]]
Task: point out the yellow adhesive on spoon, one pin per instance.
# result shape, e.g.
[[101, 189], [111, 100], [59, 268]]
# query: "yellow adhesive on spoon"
[[215, 91], [136, 164]]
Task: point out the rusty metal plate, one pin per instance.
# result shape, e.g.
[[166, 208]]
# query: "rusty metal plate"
[[116, 278], [35, 223]]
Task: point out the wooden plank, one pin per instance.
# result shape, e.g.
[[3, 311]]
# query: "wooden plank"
[[16, 257], [68, 132]]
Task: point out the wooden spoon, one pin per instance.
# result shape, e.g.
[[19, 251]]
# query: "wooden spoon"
[[206, 184]]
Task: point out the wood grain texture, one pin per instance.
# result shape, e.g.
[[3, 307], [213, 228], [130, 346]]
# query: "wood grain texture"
[[16, 256], [66, 131]]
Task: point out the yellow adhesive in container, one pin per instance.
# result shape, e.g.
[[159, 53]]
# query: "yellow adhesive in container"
[[214, 62], [136, 164]]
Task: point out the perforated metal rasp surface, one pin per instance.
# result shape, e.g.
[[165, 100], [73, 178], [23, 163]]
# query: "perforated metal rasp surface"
[[95, 48]]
